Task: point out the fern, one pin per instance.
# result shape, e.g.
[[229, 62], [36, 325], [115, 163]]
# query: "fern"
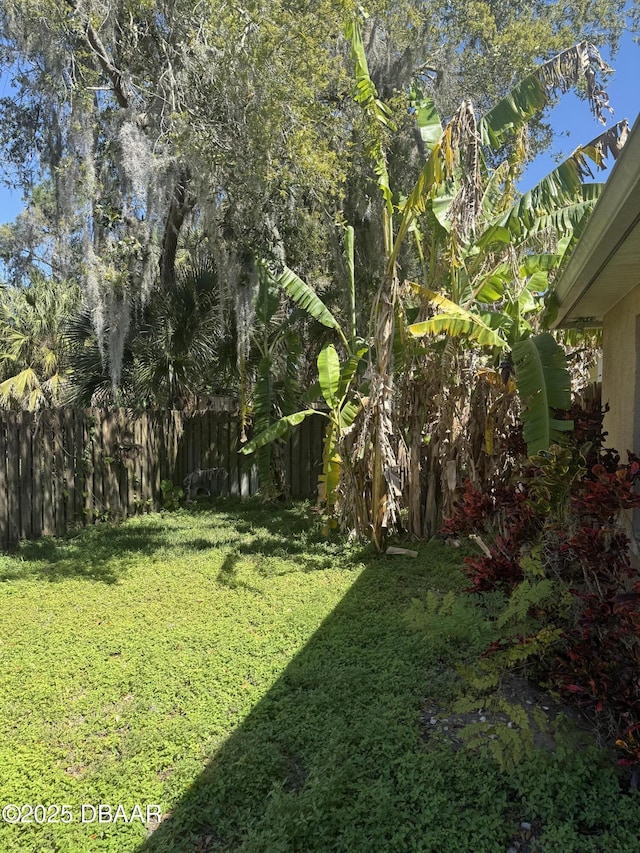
[[528, 595], [450, 619], [506, 731]]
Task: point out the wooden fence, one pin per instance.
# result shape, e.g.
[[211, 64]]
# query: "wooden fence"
[[63, 468]]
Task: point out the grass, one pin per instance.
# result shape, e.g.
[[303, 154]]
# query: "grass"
[[264, 688]]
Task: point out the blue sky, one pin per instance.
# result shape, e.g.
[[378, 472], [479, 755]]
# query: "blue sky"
[[571, 120]]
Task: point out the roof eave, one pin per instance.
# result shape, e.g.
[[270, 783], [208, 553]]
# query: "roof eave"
[[614, 217]]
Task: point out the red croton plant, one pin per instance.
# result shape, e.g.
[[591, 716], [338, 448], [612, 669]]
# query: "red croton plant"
[[564, 507]]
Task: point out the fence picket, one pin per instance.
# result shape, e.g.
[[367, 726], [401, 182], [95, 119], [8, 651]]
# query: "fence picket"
[[70, 462], [26, 474], [13, 484], [38, 470], [157, 449], [79, 475], [46, 443], [305, 461], [87, 443], [295, 463], [99, 452], [225, 458], [234, 456], [4, 508], [58, 468]]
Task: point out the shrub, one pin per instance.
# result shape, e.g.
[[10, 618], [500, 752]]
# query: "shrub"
[[559, 555]]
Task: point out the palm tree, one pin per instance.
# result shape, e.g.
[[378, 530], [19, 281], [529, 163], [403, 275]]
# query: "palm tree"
[[33, 346], [176, 354], [178, 348]]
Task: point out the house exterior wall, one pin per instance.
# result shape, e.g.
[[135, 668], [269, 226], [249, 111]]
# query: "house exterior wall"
[[621, 374], [621, 389]]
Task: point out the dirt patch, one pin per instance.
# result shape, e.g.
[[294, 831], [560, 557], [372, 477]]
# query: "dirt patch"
[[542, 709]]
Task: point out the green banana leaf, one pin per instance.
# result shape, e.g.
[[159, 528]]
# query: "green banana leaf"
[[544, 262], [306, 298], [534, 268], [494, 234], [544, 384], [525, 100], [278, 429], [531, 95], [367, 96], [348, 413], [349, 254], [492, 289], [348, 370], [268, 297], [558, 201], [429, 123], [329, 374], [456, 321], [441, 204], [493, 198], [430, 177]]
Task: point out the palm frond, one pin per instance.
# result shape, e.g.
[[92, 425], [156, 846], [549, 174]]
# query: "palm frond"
[[21, 388]]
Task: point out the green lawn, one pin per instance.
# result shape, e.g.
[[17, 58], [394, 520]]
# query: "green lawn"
[[264, 688]]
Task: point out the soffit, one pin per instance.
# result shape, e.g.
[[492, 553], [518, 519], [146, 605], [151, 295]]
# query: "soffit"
[[605, 265]]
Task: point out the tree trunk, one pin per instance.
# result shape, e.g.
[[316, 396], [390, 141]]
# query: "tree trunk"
[[181, 205]]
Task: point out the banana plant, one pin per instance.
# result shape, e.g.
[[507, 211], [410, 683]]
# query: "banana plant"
[[336, 384], [336, 379], [472, 218], [500, 281], [277, 346]]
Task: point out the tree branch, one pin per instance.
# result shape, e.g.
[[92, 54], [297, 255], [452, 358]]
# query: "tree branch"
[[114, 74]]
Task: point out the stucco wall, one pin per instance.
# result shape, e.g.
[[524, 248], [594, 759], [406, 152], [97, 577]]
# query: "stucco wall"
[[620, 377]]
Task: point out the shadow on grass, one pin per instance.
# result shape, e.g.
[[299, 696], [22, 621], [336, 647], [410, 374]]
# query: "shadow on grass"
[[228, 575], [94, 553], [99, 552], [264, 531], [330, 758]]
